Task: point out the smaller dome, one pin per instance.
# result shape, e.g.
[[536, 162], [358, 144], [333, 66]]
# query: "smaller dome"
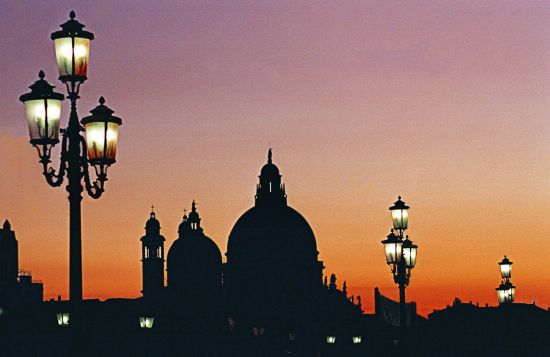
[[152, 222], [194, 260], [269, 169]]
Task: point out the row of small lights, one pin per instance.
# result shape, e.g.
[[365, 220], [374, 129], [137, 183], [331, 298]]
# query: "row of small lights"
[[147, 323]]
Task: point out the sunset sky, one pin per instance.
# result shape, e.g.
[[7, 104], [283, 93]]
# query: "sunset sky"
[[445, 103]]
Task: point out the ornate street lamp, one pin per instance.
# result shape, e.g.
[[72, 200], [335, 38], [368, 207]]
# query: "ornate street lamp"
[[506, 291], [400, 253], [505, 268], [78, 152]]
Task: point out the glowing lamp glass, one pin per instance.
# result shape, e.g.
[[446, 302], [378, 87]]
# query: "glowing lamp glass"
[[356, 340], [393, 248], [67, 48], [409, 253], [400, 215], [146, 322], [505, 268], [43, 116], [101, 140], [331, 340], [501, 295], [63, 319]]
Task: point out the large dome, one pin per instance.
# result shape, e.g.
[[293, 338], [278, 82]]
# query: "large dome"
[[271, 231], [266, 234]]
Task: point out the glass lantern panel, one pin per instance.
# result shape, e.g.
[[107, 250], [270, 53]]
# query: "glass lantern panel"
[[393, 252], [511, 294], [400, 218], [409, 254], [64, 55], [501, 294], [99, 148], [331, 339], [36, 118], [63, 319], [506, 271]]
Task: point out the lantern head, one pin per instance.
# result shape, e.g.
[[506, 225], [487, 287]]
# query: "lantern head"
[[400, 215], [393, 247], [505, 268], [72, 50], [506, 292], [43, 109], [409, 253], [101, 134]]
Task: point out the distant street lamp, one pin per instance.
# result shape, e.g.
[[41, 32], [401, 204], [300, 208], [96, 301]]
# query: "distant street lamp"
[[63, 319], [506, 291], [97, 148], [400, 254], [146, 322]]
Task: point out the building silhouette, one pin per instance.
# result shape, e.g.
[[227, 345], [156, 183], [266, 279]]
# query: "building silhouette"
[[270, 298], [152, 257], [8, 262], [272, 272]]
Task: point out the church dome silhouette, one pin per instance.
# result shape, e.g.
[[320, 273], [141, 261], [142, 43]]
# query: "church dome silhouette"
[[271, 231], [194, 260], [152, 223]]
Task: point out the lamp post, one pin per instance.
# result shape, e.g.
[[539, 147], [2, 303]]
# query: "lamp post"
[[400, 254], [78, 152], [506, 291]]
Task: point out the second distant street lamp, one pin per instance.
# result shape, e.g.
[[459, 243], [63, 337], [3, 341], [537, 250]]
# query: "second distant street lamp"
[[96, 148], [400, 254], [506, 291]]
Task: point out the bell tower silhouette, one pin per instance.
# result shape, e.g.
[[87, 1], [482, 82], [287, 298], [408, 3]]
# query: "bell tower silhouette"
[[152, 257], [8, 262]]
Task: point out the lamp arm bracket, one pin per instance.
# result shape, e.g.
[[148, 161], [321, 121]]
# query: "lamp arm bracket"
[[95, 189], [53, 178]]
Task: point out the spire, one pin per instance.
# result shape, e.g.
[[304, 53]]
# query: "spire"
[[7, 225], [270, 190], [194, 218], [152, 215]]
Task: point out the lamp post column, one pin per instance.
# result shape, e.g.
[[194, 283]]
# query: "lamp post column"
[[402, 274], [74, 188]]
